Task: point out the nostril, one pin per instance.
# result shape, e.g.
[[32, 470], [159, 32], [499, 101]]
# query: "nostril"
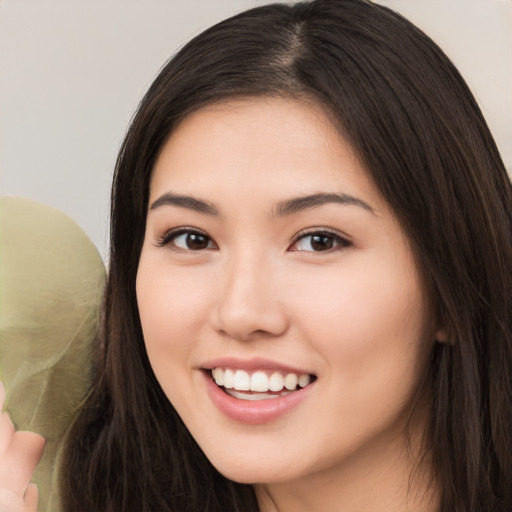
[[248, 309]]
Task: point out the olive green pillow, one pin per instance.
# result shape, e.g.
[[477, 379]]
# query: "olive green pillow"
[[51, 286]]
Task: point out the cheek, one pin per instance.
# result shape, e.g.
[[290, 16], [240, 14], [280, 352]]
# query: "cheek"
[[168, 301], [172, 308], [165, 337], [367, 322], [371, 333]]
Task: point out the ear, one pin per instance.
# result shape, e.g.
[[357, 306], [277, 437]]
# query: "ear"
[[441, 336]]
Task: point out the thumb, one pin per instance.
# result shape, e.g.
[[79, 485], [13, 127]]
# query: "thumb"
[[19, 460], [31, 497]]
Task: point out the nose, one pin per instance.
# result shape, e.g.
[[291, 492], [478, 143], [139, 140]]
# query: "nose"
[[249, 301]]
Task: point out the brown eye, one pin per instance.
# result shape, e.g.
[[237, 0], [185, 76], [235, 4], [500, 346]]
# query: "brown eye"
[[196, 241], [320, 242], [187, 240]]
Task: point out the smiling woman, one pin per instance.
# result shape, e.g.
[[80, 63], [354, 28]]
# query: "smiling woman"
[[301, 242], [309, 296]]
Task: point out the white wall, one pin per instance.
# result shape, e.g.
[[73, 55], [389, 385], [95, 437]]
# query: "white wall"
[[73, 71]]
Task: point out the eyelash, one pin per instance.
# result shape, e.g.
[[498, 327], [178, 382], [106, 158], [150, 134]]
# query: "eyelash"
[[339, 242], [172, 235]]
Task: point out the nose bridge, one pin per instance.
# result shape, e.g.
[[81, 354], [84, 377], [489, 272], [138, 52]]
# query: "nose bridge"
[[249, 300]]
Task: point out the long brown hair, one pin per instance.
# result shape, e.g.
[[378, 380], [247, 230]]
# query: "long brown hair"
[[415, 125]]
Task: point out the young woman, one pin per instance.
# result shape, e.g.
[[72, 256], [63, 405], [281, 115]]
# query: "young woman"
[[309, 294]]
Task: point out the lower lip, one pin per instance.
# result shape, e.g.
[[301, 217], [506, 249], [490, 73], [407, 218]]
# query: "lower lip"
[[254, 412]]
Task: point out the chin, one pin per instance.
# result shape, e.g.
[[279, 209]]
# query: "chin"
[[264, 470]]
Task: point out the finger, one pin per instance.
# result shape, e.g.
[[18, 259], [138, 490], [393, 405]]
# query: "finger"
[[11, 502], [6, 431], [19, 461], [31, 497]]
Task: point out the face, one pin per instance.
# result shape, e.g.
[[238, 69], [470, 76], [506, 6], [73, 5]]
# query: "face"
[[280, 303]]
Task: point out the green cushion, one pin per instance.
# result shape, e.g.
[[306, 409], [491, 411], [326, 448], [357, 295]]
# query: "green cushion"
[[51, 286]]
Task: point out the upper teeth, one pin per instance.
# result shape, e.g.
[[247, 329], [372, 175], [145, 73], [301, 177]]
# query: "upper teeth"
[[259, 380]]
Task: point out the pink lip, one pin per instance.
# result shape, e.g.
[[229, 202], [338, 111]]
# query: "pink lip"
[[251, 365], [253, 412]]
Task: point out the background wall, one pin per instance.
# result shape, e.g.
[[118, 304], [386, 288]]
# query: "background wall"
[[73, 71]]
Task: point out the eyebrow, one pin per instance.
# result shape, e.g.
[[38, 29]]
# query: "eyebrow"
[[190, 203], [299, 204], [284, 208]]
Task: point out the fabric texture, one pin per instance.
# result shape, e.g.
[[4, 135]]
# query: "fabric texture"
[[51, 286]]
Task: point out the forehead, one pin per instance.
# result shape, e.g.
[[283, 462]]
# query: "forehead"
[[272, 146]]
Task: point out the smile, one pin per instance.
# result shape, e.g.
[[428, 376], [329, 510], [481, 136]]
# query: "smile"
[[258, 390], [258, 385]]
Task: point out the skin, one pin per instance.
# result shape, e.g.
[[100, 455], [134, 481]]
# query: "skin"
[[354, 315], [19, 455]]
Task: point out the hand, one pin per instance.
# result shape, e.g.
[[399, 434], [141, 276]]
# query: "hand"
[[19, 455]]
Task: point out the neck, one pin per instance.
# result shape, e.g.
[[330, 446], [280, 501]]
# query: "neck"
[[395, 478]]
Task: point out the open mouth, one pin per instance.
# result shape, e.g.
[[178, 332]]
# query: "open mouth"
[[260, 384]]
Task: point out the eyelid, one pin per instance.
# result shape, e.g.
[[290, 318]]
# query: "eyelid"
[[343, 241], [168, 236]]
